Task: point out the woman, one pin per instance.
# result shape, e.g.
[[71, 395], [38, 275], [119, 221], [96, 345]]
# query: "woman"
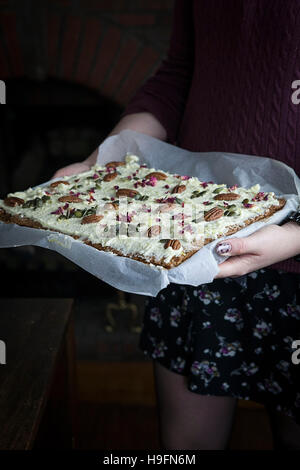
[[226, 85]]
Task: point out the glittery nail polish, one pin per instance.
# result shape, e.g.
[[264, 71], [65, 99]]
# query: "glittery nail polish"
[[223, 249]]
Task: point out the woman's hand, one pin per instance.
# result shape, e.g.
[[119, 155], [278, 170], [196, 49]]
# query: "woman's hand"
[[79, 167], [143, 122], [72, 169], [268, 245]]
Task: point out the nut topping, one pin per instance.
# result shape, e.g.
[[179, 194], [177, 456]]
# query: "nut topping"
[[126, 192], [179, 189], [70, 198], [56, 183], [226, 197], [175, 244], [154, 231], [167, 207], [156, 174], [109, 206], [110, 176], [114, 164], [213, 214], [13, 201], [91, 219]]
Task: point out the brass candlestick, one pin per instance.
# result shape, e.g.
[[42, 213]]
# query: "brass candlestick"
[[121, 304]]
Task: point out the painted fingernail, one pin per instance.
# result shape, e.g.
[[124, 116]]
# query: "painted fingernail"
[[223, 248]]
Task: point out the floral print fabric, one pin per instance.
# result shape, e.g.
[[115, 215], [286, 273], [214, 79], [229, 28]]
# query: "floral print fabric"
[[231, 340]]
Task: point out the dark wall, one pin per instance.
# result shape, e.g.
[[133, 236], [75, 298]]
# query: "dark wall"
[[109, 46]]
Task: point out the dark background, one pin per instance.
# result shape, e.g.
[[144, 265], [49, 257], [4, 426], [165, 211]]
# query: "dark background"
[[70, 68]]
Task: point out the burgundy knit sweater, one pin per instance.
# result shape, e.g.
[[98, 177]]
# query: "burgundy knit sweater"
[[226, 83]]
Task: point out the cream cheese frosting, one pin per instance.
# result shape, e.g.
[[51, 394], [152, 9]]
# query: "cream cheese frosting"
[[126, 228]]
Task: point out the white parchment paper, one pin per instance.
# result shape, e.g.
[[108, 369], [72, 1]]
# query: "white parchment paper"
[[136, 277]]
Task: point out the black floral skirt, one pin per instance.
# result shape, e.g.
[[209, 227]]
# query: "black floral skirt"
[[231, 340]]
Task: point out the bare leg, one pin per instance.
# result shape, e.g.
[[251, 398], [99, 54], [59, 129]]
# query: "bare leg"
[[286, 433], [188, 420]]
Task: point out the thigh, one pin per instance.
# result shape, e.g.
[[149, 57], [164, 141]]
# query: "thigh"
[[189, 420]]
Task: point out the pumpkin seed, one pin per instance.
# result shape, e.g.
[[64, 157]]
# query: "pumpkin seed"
[[218, 190], [90, 211], [140, 197], [78, 213], [38, 202], [198, 193]]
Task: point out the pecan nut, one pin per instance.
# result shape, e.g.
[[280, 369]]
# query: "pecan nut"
[[226, 197], [114, 164], [109, 206], [175, 244], [69, 198], [13, 201], [179, 189], [110, 176], [124, 192], [213, 214], [56, 183], [91, 219], [154, 231], [156, 174], [167, 207]]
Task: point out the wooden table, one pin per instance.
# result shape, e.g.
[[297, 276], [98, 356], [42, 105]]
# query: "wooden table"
[[38, 382]]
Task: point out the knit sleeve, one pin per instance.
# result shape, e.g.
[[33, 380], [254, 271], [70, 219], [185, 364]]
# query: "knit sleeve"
[[165, 93]]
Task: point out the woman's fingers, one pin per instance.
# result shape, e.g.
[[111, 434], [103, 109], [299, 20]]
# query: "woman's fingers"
[[72, 169], [236, 247], [237, 266]]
